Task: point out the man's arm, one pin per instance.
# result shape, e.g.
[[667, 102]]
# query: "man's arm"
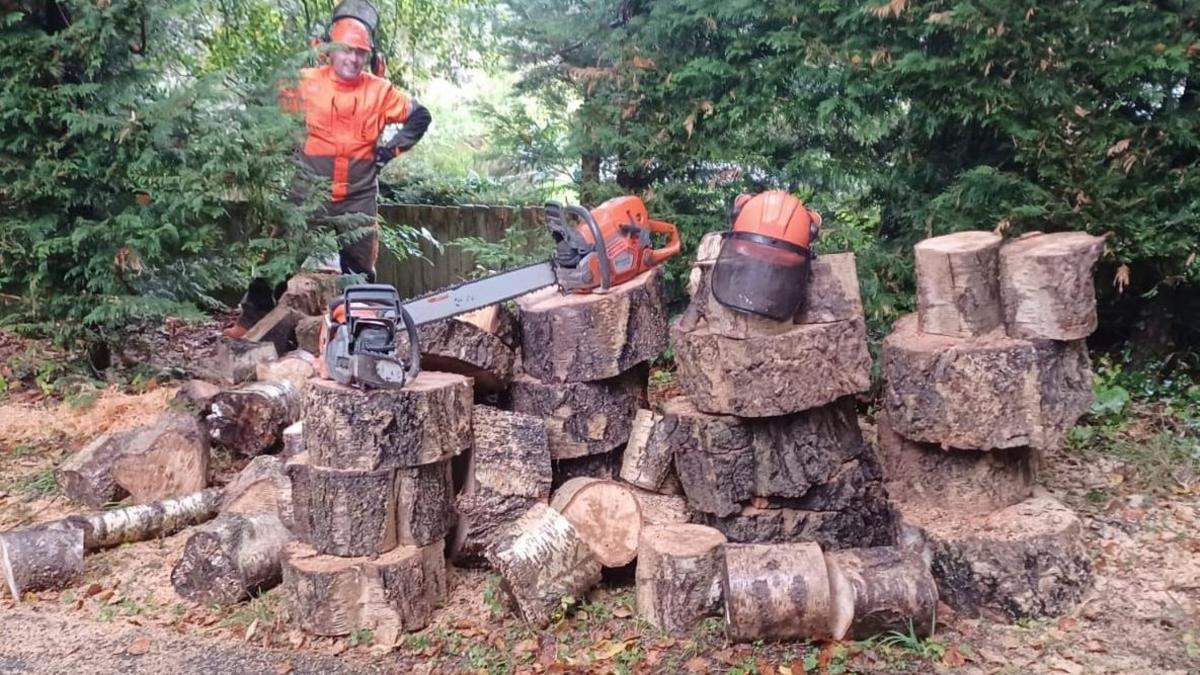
[[409, 112]]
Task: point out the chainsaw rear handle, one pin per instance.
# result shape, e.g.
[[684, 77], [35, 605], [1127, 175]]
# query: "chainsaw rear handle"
[[673, 246], [384, 294], [598, 241]]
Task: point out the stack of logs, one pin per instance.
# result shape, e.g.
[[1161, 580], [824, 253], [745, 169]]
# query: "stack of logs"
[[990, 372]]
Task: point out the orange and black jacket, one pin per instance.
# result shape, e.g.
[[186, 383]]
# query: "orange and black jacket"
[[344, 121]]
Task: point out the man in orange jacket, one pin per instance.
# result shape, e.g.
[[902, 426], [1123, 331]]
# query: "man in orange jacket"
[[345, 111]]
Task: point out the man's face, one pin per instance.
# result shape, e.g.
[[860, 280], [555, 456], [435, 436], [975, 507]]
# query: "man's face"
[[348, 63]]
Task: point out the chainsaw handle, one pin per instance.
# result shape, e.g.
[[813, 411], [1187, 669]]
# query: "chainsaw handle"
[[414, 346], [597, 241], [674, 244]]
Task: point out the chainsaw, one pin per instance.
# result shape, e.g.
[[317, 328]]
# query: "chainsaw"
[[593, 251]]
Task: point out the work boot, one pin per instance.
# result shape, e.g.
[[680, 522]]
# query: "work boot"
[[235, 332]]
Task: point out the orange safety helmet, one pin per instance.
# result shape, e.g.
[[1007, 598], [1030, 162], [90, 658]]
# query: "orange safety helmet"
[[763, 266], [351, 33]]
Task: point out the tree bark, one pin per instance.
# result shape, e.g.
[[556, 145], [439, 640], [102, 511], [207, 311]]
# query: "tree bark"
[[293, 440], [876, 590], [425, 504], [605, 514], [660, 509], [1046, 285], [958, 291], [309, 293], [582, 418], [541, 560], [511, 455], [308, 334], [295, 367], [776, 592], [250, 420], [482, 515], [86, 476], [605, 466], [41, 557], [587, 337], [146, 521], [462, 347], [678, 575], [261, 487], [344, 512], [427, 421], [231, 558], [166, 459], [195, 396], [648, 461]]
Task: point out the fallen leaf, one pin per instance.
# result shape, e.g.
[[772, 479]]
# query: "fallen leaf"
[[606, 649], [250, 629], [525, 647], [283, 668], [953, 657], [1067, 624], [104, 597], [622, 613], [1080, 111], [138, 647], [786, 670], [698, 665]]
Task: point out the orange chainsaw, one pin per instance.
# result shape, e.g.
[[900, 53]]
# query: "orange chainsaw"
[[593, 250]]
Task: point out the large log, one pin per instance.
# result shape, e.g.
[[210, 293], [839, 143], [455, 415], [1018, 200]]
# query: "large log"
[[295, 367], [541, 560], [985, 393], [41, 557], [1046, 285], [881, 589], [231, 558], [605, 514], [678, 575], [427, 421], [1029, 560], [662, 509], [482, 515], [166, 459], [582, 418], [309, 293], [511, 454], [86, 476], [958, 289], [392, 593], [236, 360], [605, 466], [809, 366], [261, 487], [463, 347], [140, 522], [424, 503], [648, 461], [278, 327], [586, 337], [775, 592], [344, 512], [308, 333], [250, 420]]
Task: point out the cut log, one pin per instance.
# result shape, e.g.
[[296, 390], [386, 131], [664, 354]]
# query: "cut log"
[[236, 360], [482, 515], [582, 418], [648, 461], [166, 459], [278, 327], [511, 454], [146, 521], [587, 337], [293, 440], [261, 487], [809, 366], [308, 334], [775, 592], [309, 293], [605, 466], [1029, 560], [660, 509], [974, 481], [194, 396], [723, 460], [1046, 285], [250, 420], [605, 514], [499, 320], [48, 556], [344, 512], [231, 558], [541, 560], [462, 347], [678, 575], [424, 503], [395, 592], [985, 393], [958, 288], [86, 476], [295, 367], [882, 589], [706, 254], [427, 421]]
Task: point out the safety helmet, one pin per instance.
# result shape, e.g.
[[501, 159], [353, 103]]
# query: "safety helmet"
[[351, 33], [764, 263]]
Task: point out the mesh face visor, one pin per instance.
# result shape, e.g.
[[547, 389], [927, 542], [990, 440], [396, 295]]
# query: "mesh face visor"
[[761, 275]]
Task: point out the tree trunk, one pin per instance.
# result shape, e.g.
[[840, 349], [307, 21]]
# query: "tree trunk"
[[231, 558], [344, 512], [1047, 287], [582, 418], [776, 592], [958, 290], [41, 557], [605, 514], [541, 560], [511, 455], [427, 421], [86, 476], [425, 504], [146, 521], [809, 366], [295, 367], [587, 337], [278, 327], [166, 459], [462, 347], [250, 420], [308, 334], [876, 590], [678, 575], [237, 360], [261, 487]]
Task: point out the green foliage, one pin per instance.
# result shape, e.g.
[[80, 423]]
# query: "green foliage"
[[520, 244]]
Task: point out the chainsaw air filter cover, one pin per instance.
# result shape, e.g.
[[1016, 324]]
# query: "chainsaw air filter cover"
[[761, 275]]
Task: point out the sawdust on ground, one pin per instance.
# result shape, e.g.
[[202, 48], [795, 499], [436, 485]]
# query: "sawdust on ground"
[[112, 410]]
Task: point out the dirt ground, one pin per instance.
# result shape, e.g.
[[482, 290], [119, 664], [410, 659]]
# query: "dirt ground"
[[1142, 615]]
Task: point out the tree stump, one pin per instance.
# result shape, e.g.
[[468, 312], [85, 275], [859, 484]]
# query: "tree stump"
[[231, 558], [261, 487], [605, 514], [678, 575], [236, 360], [278, 327], [775, 592], [958, 290], [587, 337], [41, 557], [876, 590], [344, 512], [295, 367], [541, 560], [974, 481], [582, 418], [394, 592], [166, 459], [662, 509], [806, 367], [308, 334], [511, 454], [723, 460], [424, 504], [1046, 285], [427, 421], [250, 419], [463, 347], [1029, 560], [648, 461], [983, 394], [86, 476]]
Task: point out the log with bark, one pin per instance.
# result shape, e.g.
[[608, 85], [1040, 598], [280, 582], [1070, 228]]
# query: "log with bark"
[[662, 509], [1046, 285], [808, 366], [194, 396], [776, 592], [678, 575], [293, 440], [1029, 560], [424, 503], [587, 337], [344, 512], [605, 466], [958, 288], [278, 327], [308, 334], [881, 589], [140, 522], [236, 360], [86, 476], [261, 487], [309, 293], [295, 367], [542, 560], [463, 347], [648, 461], [250, 420], [427, 421], [583, 418], [605, 514], [482, 515], [166, 459], [231, 558]]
